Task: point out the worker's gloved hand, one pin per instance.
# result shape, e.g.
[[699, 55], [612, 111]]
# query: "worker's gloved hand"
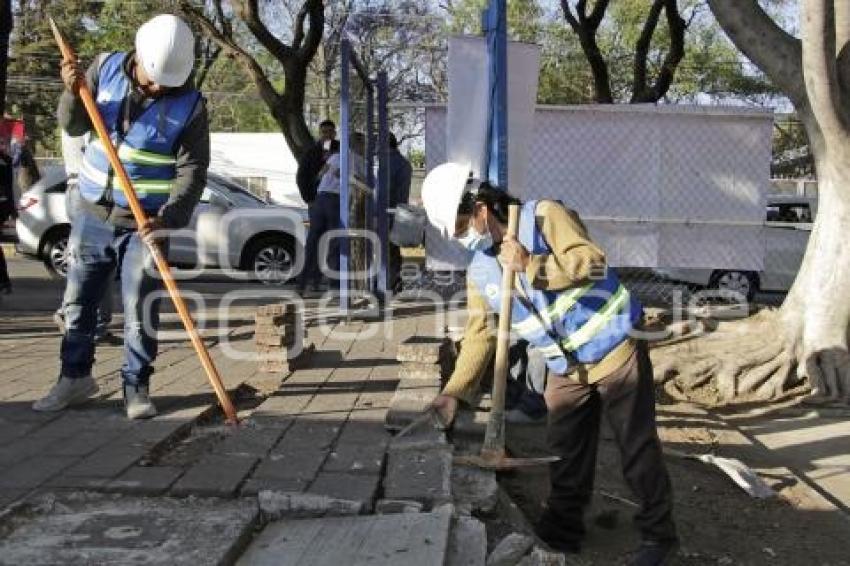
[[71, 74], [152, 231], [446, 408], [513, 255]]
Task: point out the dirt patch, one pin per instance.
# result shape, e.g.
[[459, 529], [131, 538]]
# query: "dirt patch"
[[718, 523]]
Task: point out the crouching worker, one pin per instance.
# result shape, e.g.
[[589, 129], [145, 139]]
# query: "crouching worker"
[[581, 318], [158, 121]]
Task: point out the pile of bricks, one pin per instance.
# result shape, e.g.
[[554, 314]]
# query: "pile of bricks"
[[424, 362], [279, 334]]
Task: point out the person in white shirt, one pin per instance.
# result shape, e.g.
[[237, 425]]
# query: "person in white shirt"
[[324, 212]]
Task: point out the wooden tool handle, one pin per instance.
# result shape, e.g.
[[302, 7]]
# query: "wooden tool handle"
[[140, 217], [494, 439]]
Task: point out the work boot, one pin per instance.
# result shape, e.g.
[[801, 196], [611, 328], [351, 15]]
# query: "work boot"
[[65, 393], [137, 402], [654, 553]]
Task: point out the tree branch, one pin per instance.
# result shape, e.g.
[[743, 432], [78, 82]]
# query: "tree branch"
[[586, 28], [315, 12], [644, 42], [771, 48], [842, 47], [267, 91], [677, 26], [817, 19], [249, 13]]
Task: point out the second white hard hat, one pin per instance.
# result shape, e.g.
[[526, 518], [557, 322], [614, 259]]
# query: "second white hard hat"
[[442, 190], [166, 49]]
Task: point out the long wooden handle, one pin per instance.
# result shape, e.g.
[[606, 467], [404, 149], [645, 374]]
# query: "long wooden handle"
[[494, 439], [139, 214]]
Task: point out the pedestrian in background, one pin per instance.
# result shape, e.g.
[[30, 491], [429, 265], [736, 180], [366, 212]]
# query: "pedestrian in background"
[[401, 173], [7, 211], [324, 214]]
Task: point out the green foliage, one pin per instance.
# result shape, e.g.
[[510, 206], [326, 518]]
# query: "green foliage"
[[34, 85]]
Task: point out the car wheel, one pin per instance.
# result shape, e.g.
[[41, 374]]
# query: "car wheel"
[[271, 259], [56, 254], [736, 283]]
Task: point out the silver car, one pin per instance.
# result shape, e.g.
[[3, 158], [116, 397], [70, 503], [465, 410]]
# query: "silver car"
[[230, 229], [788, 224]]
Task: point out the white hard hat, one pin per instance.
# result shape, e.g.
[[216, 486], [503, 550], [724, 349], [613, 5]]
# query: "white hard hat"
[[166, 49], [442, 190]]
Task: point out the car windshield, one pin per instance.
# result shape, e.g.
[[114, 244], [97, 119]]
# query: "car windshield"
[[237, 194]]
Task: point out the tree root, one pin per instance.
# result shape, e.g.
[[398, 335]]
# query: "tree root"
[[740, 362]]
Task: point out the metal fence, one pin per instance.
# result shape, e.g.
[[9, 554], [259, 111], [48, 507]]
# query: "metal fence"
[[679, 197]]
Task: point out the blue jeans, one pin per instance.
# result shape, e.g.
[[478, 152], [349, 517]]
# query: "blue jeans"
[[96, 250], [324, 216]]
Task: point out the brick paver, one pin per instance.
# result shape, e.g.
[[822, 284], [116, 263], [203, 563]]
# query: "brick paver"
[[319, 430]]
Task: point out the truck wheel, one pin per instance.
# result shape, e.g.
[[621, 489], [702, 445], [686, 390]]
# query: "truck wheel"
[[271, 259], [56, 253], [740, 283]]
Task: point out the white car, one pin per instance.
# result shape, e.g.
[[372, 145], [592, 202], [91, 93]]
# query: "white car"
[[230, 228], [788, 224]]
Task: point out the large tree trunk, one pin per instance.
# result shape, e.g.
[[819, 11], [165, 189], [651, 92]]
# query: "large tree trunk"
[[804, 345], [5, 33]]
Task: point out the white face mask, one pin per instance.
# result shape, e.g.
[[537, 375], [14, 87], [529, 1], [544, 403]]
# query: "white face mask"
[[475, 241]]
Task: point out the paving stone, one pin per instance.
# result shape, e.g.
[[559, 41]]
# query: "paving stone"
[[356, 458], [467, 543], [510, 550], [475, 487], [276, 505], [215, 475], [299, 464], [114, 529], [145, 480], [35, 471], [81, 444], [108, 461], [422, 349], [350, 487], [408, 403], [416, 539], [310, 432], [364, 432], [390, 506], [425, 435], [255, 485], [420, 371], [420, 475], [247, 441]]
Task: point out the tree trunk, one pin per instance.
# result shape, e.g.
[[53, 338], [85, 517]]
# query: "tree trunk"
[[5, 33]]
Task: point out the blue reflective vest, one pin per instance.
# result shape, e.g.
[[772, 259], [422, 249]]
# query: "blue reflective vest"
[[580, 324], [148, 150]]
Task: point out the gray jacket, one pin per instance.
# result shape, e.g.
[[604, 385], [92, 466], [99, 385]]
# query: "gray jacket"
[[193, 149]]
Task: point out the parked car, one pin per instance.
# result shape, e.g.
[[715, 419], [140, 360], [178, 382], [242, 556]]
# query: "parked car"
[[788, 224], [230, 228]]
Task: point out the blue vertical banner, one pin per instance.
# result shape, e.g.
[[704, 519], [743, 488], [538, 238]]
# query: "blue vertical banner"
[[494, 23], [344, 171], [382, 195]]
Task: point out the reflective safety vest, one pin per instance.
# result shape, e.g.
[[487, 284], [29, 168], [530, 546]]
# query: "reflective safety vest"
[[147, 150], [580, 324]]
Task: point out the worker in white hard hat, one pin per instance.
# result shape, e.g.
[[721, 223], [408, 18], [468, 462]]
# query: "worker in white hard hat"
[[158, 122], [573, 309]]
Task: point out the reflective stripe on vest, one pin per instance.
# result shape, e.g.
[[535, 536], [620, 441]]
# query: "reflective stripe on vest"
[[133, 155], [587, 322]]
